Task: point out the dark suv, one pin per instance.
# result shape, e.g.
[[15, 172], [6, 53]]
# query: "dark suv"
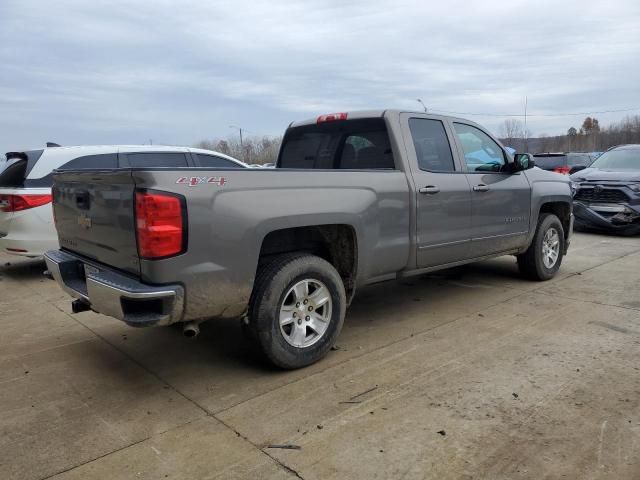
[[607, 194], [564, 163]]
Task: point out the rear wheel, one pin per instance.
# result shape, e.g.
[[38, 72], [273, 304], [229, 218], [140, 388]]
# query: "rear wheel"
[[543, 258], [297, 309]]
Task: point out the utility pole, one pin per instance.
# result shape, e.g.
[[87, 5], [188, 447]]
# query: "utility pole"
[[241, 144], [239, 130], [422, 103]]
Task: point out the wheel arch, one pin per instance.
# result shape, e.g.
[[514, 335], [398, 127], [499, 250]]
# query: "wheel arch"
[[335, 243], [563, 211], [561, 207]]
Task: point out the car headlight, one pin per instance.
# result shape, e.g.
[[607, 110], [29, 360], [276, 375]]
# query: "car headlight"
[[635, 187]]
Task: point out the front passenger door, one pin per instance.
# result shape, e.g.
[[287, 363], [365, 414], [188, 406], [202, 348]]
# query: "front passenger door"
[[500, 199]]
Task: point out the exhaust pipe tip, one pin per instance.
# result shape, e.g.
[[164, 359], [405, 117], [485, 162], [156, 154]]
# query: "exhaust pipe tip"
[[191, 330]]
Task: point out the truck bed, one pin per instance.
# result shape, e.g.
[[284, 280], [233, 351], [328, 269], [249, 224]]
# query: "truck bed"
[[229, 213]]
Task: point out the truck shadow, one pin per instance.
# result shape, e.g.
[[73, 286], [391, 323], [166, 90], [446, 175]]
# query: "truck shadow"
[[220, 368], [380, 314]]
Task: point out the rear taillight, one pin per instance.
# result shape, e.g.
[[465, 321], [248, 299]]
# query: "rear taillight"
[[331, 117], [160, 224], [563, 170], [15, 203]]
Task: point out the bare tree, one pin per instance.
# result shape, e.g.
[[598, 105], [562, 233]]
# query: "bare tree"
[[511, 129], [591, 136], [259, 150]]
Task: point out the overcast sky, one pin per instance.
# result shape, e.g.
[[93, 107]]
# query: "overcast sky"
[[87, 72]]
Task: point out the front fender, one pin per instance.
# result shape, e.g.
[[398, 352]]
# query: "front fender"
[[547, 188]]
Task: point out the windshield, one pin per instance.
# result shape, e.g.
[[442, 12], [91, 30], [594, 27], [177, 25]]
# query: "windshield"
[[619, 159]]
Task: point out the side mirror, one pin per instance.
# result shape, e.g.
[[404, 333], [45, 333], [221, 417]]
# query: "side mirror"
[[577, 168], [523, 161]]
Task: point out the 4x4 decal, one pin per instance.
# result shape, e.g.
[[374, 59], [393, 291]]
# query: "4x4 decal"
[[194, 181]]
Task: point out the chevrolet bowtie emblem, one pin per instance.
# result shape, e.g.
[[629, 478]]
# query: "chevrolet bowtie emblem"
[[84, 221]]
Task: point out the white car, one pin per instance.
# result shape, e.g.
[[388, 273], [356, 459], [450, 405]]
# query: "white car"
[[26, 216]]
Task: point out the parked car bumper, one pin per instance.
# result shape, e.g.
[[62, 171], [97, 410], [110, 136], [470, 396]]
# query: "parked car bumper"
[[620, 218], [114, 294], [25, 246], [29, 232]]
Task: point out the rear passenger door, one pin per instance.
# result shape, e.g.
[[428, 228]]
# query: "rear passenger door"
[[500, 198], [443, 196]]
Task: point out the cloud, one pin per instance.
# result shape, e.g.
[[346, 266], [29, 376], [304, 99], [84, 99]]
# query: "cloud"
[[125, 72]]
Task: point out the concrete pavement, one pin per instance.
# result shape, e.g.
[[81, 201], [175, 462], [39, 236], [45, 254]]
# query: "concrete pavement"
[[471, 373]]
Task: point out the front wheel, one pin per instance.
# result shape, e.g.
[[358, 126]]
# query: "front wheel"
[[297, 309], [543, 258]]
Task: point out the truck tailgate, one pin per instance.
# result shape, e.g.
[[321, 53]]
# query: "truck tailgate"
[[95, 216]]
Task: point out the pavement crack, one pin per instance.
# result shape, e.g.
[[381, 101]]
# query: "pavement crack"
[[257, 447], [73, 467], [164, 382]]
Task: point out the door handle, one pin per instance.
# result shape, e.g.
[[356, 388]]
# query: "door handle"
[[481, 188], [430, 190]]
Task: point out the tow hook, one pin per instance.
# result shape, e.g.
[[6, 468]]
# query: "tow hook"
[[78, 306], [48, 275]]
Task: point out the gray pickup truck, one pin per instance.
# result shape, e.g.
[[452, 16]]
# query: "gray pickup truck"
[[354, 199]]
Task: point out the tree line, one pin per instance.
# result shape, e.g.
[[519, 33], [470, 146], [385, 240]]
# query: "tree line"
[[250, 150], [589, 137]]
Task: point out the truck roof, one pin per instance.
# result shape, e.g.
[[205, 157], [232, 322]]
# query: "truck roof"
[[355, 114]]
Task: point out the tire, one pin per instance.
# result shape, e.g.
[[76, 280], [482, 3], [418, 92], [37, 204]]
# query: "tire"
[[309, 329], [536, 263]]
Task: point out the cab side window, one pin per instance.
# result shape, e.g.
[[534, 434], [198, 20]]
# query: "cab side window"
[[432, 146], [481, 152]]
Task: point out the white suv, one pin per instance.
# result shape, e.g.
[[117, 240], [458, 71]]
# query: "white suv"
[[26, 217]]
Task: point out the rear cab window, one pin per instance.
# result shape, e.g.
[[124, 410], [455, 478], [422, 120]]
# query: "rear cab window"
[[360, 144]]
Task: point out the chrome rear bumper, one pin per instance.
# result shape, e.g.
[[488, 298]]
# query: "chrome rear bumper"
[[114, 294]]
